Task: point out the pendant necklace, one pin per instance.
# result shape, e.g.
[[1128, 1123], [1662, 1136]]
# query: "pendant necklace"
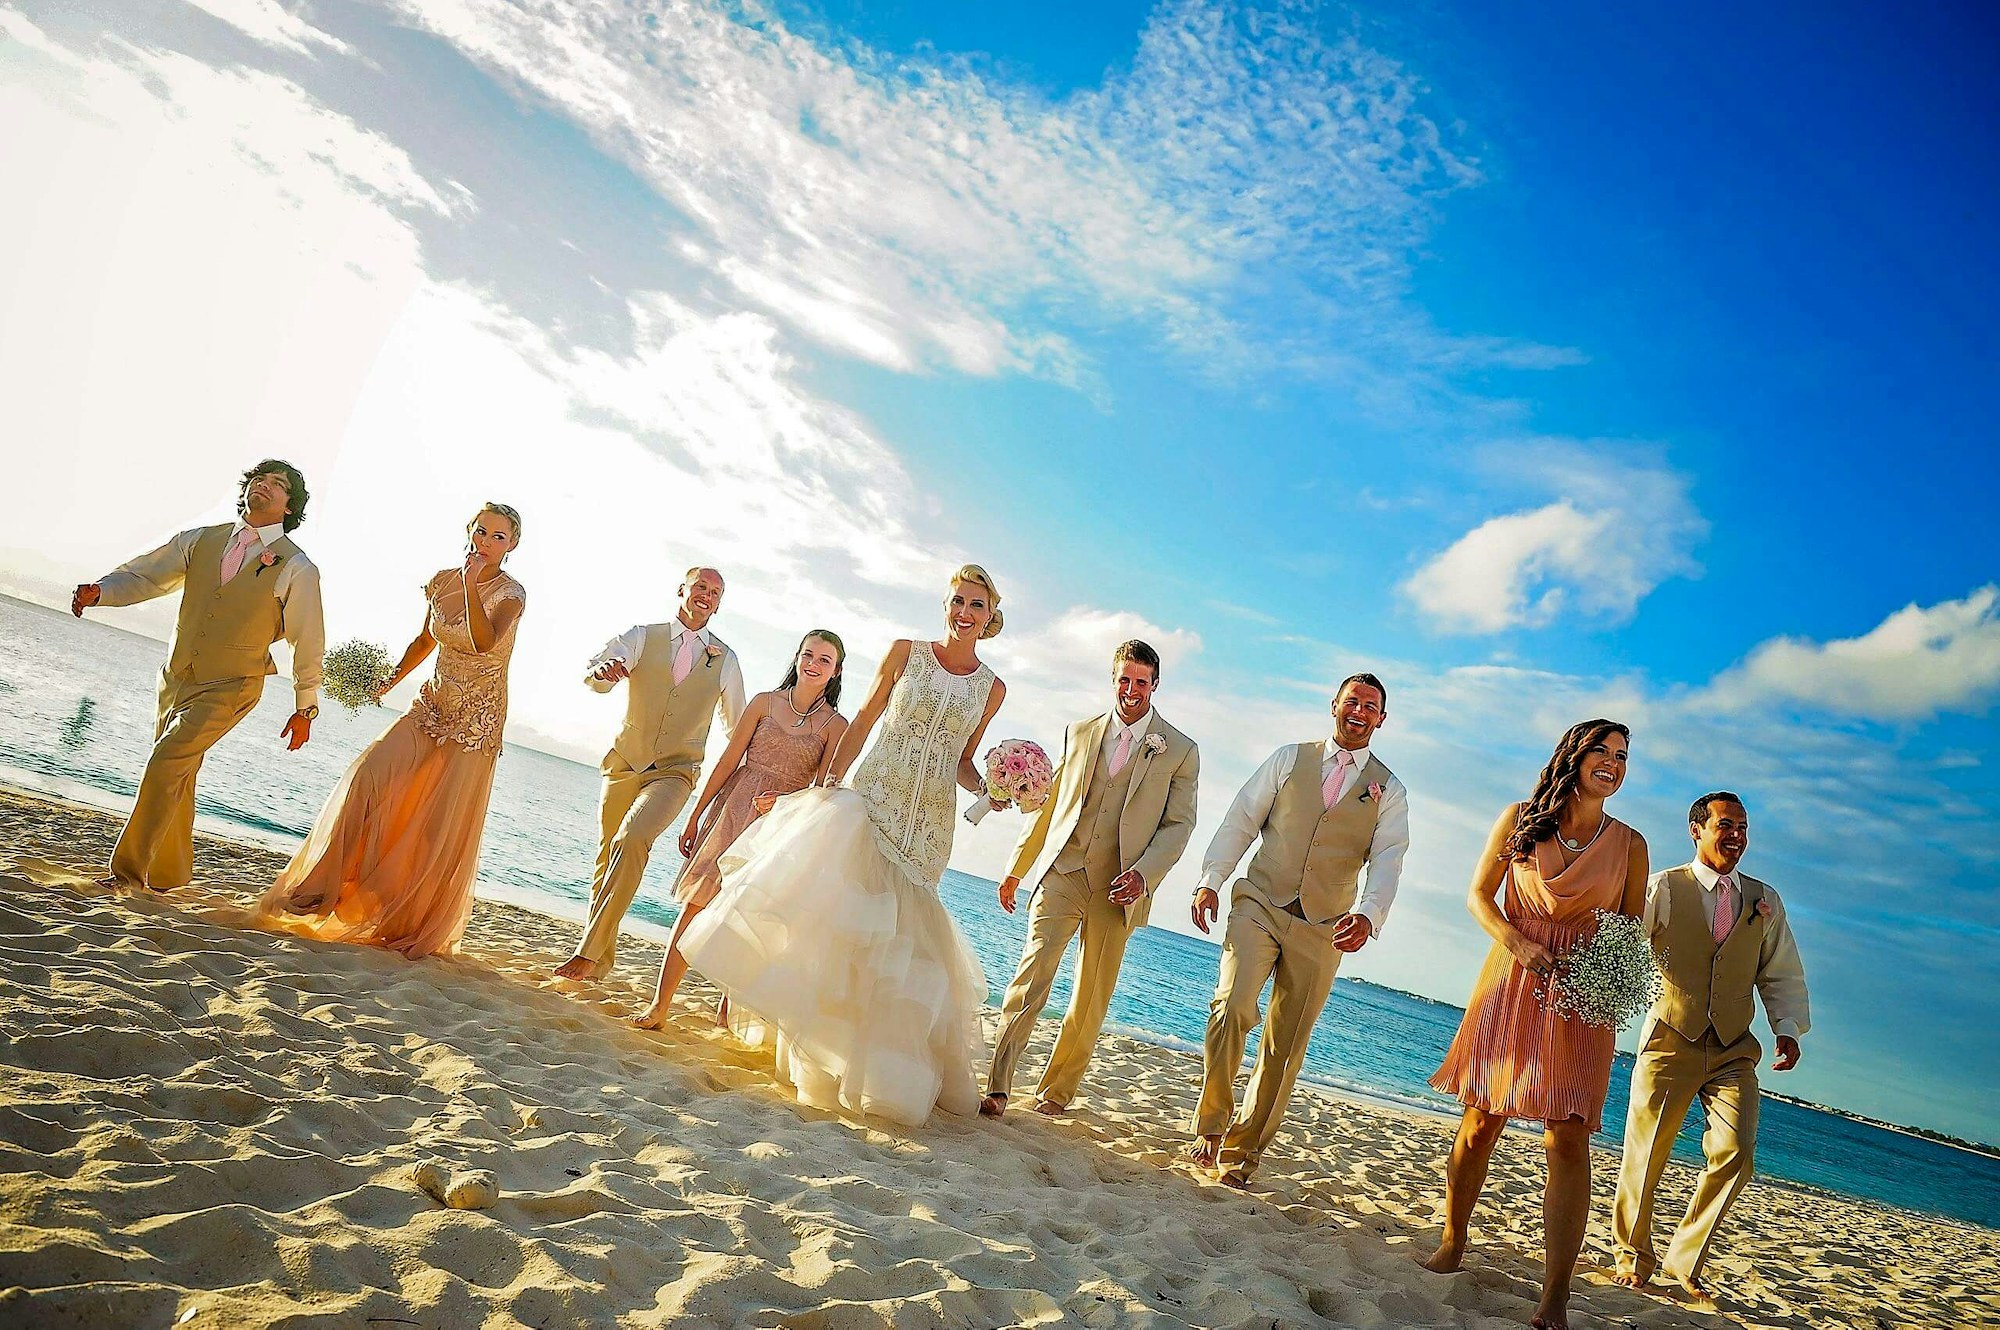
[[1578, 846], [807, 714]]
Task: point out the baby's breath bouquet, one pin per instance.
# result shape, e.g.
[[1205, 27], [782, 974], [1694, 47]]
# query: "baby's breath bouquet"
[[1610, 978], [354, 673]]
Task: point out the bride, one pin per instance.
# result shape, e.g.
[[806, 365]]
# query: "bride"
[[828, 932]]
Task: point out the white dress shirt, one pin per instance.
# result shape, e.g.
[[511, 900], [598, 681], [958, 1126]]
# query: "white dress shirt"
[[296, 585], [1781, 975], [628, 644], [1116, 728], [1244, 822]]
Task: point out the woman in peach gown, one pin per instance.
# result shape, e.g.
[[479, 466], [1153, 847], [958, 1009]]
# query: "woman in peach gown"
[[390, 859], [1554, 861], [779, 746]]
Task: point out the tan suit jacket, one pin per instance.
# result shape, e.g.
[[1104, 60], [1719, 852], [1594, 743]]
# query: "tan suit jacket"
[[1153, 828]]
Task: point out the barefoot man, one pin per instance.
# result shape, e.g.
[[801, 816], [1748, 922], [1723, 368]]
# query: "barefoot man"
[[1118, 818], [679, 678], [243, 585], [1719, 933], [1322, 810]]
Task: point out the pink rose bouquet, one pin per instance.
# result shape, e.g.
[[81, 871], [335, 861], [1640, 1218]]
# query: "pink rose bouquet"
[[1017, 772]]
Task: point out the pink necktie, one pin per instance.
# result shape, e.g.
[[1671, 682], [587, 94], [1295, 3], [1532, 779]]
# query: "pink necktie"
[[1725, 908], [1123, 752], [1336, 778], [684, 658], [232, 558]]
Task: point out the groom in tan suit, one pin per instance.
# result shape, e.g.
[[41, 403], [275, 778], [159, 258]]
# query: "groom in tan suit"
[[1323, 811], [1719, 933], [1118, 818], [243, 585], [679, 677]]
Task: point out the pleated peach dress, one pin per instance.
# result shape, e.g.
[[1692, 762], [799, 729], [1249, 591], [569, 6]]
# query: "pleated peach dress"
[[1513, 1055]]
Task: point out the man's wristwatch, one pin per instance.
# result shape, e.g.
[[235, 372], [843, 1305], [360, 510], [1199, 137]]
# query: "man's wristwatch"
[[310, 713]]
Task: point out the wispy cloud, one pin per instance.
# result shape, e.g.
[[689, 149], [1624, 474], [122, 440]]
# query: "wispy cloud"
[[272, 24], [1621, 522], [1918, 662]]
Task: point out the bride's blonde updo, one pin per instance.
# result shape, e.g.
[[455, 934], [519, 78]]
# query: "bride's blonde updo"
[[972, 572]]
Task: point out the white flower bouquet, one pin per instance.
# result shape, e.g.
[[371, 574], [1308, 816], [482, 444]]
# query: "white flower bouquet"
[[1017, 772], [1608, 979], [354, 673]]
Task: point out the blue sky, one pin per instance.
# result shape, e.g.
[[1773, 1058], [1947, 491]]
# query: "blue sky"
[[1554, 361]]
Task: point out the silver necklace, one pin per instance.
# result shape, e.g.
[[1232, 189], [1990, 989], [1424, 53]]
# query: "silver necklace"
[[807, 714], [1578, 846]]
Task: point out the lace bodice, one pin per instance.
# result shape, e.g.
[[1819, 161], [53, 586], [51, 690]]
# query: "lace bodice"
[[910, 774], [465, 699]]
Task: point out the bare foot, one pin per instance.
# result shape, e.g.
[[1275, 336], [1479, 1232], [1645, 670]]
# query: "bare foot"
[[577, 967], [652, 1018], [1447, 1259], [722, 1014], [1202, 1150], [1234, 1181], [992, 1106], [1695, 1288], [1555, 1320], [1632, 1279], [1048, 1108]]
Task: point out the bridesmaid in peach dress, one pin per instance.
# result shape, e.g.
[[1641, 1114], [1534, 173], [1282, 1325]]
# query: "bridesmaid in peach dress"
[[1553, 861], [779, 746], [390, 859]]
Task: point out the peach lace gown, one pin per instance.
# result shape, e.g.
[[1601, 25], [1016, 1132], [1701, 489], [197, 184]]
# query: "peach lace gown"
[[391, 858], [783, 757], [1512, 1055]]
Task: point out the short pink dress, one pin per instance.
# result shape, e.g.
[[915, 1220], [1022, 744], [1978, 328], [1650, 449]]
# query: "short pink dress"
[[782, 758], [1513, 1055]]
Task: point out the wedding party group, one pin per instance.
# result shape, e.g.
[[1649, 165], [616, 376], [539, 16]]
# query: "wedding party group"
[[815, 846]]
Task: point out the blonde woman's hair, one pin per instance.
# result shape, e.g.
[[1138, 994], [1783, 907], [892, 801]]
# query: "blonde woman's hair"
[[972, 572], [506, 510]]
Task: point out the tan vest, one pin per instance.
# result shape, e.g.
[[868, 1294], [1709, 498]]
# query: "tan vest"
[[225, 632], [1093, 846], [1709, 986], [1313, 854], [666, 727]]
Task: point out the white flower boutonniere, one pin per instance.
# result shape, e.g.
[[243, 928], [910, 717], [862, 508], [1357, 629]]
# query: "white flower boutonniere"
[[1374, 792], [713, 652], [1155, 743], [1763, 908]]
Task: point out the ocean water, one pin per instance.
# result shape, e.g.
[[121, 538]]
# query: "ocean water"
[[76, 716]]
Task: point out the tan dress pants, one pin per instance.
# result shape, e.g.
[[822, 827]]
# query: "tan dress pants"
[[634, 809], [156, 847], [1263, 941], [1671, 1073], [1064, 905]]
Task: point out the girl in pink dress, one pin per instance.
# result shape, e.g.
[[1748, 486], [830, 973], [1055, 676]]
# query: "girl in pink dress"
[[779, 746], [390, 859], [1553, 861]]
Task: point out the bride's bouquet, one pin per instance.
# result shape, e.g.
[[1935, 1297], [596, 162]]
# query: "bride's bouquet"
[[1608, 979], [354, 672], [1017, 772]]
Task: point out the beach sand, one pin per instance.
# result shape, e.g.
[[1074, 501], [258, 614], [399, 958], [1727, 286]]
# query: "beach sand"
[[206, 1126]]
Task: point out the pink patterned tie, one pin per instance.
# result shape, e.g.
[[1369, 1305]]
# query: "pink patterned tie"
[[1123, 752], [232, 558], [1725, 908], [684, 658], [1335, 779]]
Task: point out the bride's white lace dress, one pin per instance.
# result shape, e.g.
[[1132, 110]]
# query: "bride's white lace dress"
[[828, 931]]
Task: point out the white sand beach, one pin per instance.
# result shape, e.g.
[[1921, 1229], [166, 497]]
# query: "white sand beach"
[[206, 1126]]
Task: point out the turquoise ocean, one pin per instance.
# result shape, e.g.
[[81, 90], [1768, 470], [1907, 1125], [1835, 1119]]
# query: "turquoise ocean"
[[76, 715]]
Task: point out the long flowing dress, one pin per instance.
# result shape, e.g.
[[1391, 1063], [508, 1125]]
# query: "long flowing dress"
[[829, 929], [1512, 1054], [782, 758], [391, 858]]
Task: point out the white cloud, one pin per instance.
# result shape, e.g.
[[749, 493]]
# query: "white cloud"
[[272, 24], [1617, 530], [1916, 663]]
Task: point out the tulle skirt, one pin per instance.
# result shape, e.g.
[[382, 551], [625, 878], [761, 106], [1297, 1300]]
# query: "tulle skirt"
[[855, 976], [391, 858]]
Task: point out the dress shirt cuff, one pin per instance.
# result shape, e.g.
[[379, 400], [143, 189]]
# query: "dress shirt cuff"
[[306, 697], [1785, 1029], [1373, 913], [1213, 881]]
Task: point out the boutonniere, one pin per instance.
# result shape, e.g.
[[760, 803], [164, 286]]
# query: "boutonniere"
[[1763, 908], [265, 559], [1374, 791], [1155, 743], [713, 652]]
